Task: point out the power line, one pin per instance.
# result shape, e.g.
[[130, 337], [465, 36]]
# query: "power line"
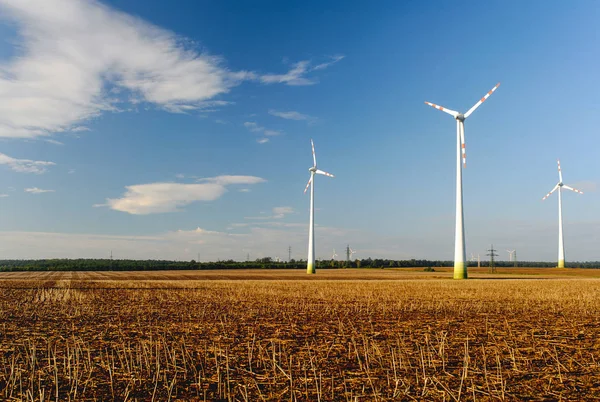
[[492, 254]]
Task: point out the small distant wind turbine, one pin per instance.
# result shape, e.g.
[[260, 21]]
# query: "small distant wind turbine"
[[352, 252], [561, 243], [511, 253], [478, 260], [460, 268], [310, 266], [334, 255]]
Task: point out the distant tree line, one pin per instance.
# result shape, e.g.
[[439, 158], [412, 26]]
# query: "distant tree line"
[[261, 263]]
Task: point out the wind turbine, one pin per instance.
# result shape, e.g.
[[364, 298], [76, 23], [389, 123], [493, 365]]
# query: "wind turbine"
[[561, 243], [334, 255], [510, 254], [310, 266], [460, 268], [352, 252]]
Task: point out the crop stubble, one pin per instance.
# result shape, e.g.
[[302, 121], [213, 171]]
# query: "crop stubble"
[[78, 337]]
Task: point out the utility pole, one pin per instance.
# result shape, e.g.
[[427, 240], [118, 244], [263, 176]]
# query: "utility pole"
[[247, 257], [348, 253], [492, 254], [515, 259], [289, 253]]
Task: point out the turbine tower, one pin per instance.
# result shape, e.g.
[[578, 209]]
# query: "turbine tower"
[[511, 253], [310, 265], [561, 243], [334, 255], [460, 267]]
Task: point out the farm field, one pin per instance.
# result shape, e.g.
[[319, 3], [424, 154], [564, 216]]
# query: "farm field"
[[342, 335]]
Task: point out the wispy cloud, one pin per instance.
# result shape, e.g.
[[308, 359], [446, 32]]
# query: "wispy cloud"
[[295, 76], [78, 59], [51, 141], [79, 129], [280, 212], [334, 59], [25, 165], [255, 128], [35, 190], [262, 140], [276, 213], [291, 115], [3, 195], [153, 198]]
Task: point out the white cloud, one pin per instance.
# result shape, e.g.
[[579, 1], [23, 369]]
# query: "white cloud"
[[79, 58], [152, 198], [79, 129], [334, 59], [291, 115], [25, 165], [262, 140], [293, 77], [51, 141], [252, 126], [255, 128], [71, 171], [296, 75], [277, 213], [180, 176], [244, 190], [35, 190], [280, 212], [232, 179], [3, 195]]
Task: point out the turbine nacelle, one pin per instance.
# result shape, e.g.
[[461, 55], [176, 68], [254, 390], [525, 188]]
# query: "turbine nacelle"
[[312, 169], [460, 118]]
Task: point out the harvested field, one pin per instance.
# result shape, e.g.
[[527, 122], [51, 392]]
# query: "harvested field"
[[343, 335]]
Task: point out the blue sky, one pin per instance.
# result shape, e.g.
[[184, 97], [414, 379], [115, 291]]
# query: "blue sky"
[[163, 132]]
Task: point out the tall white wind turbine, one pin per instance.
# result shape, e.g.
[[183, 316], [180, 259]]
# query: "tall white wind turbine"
[[460, 267], [510, 254], [310, 266], [561, 243]]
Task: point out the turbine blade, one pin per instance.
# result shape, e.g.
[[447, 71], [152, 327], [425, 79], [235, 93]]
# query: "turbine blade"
[[572, 189], [481, 101], [462, 144], [308, 184], [443, 109], [324, 173], [559, 171], [312, 144], [548, 195]]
